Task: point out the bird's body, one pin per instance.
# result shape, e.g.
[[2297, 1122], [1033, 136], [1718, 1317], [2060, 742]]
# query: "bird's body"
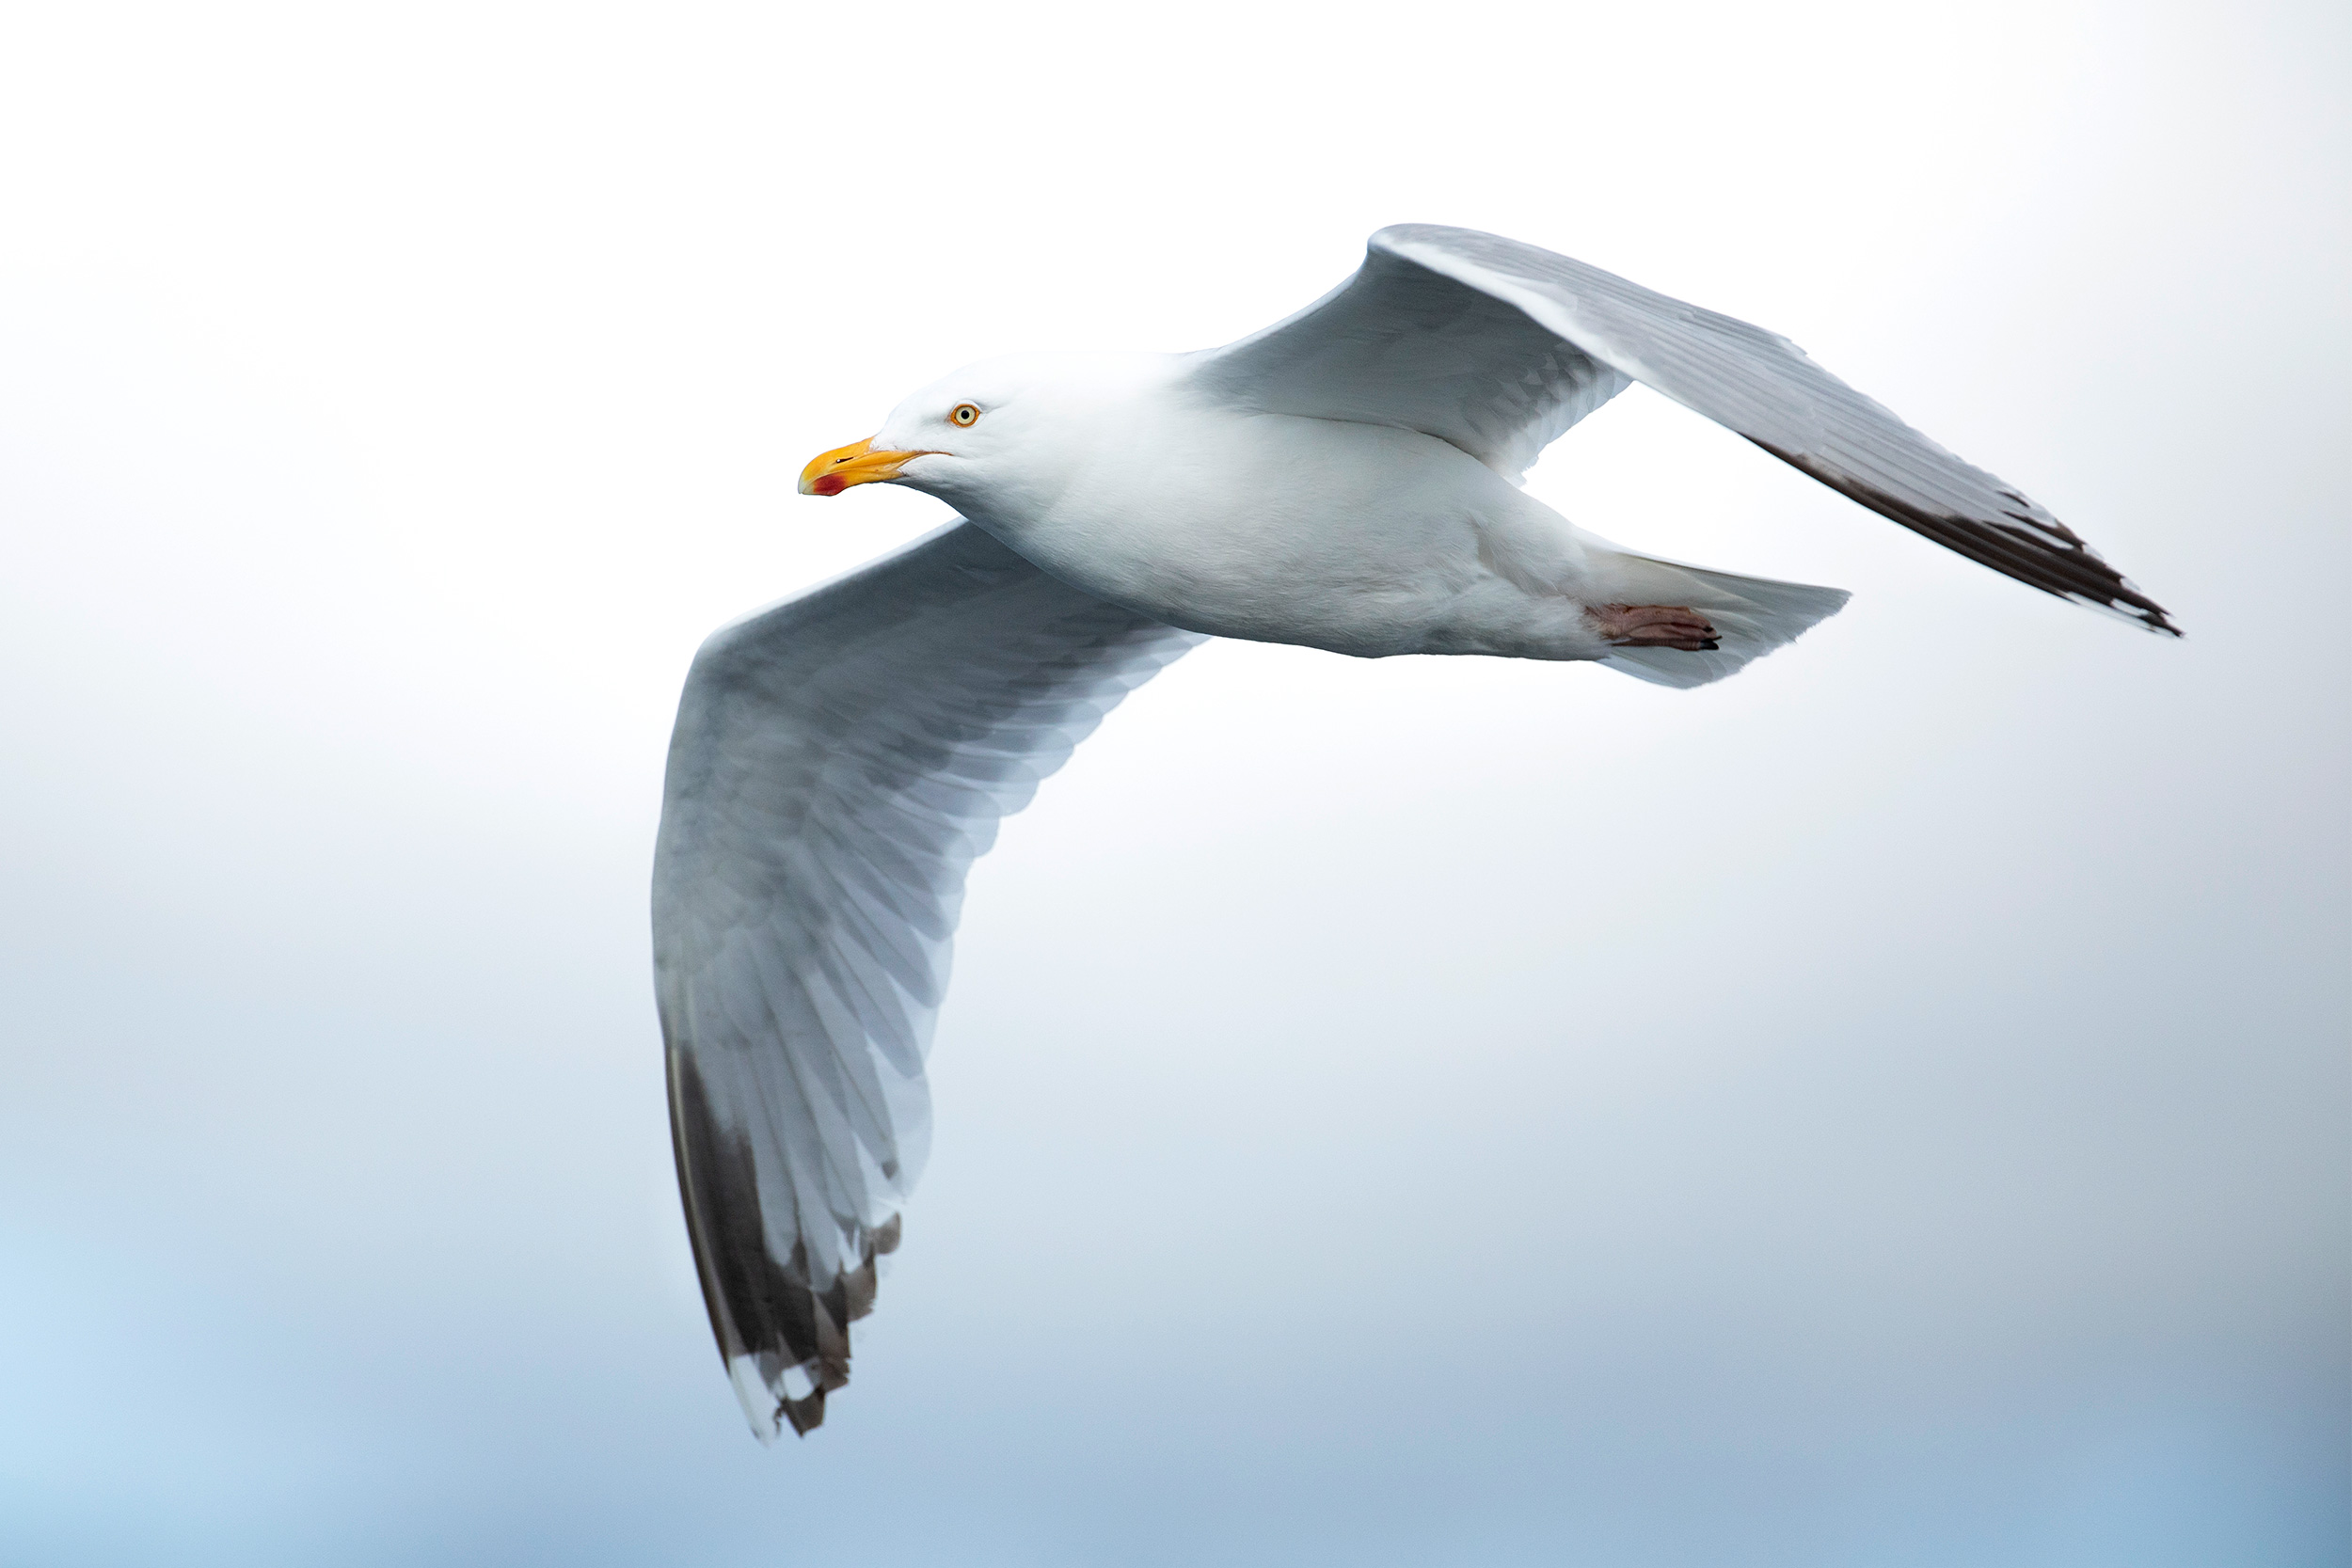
[[1344, 480], [1176, 509]]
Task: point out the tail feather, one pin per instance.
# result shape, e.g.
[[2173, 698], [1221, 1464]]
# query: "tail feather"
[[1752, 617]]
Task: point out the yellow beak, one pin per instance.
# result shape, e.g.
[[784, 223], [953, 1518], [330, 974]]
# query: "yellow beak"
[[832, 472]]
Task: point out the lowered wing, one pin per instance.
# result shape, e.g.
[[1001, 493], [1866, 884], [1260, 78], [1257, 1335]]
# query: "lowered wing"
[[839, 762]]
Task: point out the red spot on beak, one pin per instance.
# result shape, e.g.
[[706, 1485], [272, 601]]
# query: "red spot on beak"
[[828, 484]]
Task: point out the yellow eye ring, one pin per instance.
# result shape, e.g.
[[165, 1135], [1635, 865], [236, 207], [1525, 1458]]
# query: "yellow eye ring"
[[964, 414]]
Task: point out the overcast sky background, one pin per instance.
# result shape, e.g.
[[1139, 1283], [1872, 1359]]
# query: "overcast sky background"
[[1888, 1108]]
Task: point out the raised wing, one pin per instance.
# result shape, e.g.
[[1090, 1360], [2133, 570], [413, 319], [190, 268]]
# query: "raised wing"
[[1499, 347], [839, 762], [1399, 345]]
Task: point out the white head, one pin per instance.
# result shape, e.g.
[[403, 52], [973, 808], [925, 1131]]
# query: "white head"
[[1000, 433]]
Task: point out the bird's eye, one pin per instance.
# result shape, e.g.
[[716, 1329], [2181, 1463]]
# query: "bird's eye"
[[964, 414]]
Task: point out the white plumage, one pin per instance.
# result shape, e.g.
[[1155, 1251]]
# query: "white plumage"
[[1345, 480]]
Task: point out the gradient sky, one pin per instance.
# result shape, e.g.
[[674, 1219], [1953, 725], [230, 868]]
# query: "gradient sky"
[[1888, 1108]]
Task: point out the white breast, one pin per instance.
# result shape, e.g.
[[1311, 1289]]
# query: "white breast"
[[1362, 539]]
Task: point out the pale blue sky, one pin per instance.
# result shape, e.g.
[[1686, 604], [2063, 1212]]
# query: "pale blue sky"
[[1886, 1109]]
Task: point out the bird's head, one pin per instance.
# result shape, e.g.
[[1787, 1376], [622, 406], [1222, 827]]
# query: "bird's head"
[[1000, 432]]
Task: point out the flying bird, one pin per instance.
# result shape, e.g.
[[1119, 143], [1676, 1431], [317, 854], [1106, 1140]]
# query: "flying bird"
[[1346, 479]]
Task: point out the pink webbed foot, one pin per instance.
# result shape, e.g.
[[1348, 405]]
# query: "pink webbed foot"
[[1654, 626]]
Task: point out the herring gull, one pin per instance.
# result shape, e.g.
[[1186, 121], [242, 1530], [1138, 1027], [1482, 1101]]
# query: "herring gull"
[[1347, 480]]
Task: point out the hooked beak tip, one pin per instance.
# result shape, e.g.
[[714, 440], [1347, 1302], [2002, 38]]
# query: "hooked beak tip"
[[832, 472]]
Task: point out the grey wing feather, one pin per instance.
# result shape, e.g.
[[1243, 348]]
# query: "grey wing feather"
[[1399, 345], [839, 762], [1517, 309]]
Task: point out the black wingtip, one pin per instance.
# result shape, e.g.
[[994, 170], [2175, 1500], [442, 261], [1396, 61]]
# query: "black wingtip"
[[2027, 544], [769, 1315], [2157, 619], [803, 1415]]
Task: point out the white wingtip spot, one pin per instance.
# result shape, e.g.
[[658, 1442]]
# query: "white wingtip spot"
[[2145, 620], [752, 1391]]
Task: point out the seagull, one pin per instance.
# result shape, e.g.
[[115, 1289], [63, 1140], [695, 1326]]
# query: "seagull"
[[1346, 479]]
